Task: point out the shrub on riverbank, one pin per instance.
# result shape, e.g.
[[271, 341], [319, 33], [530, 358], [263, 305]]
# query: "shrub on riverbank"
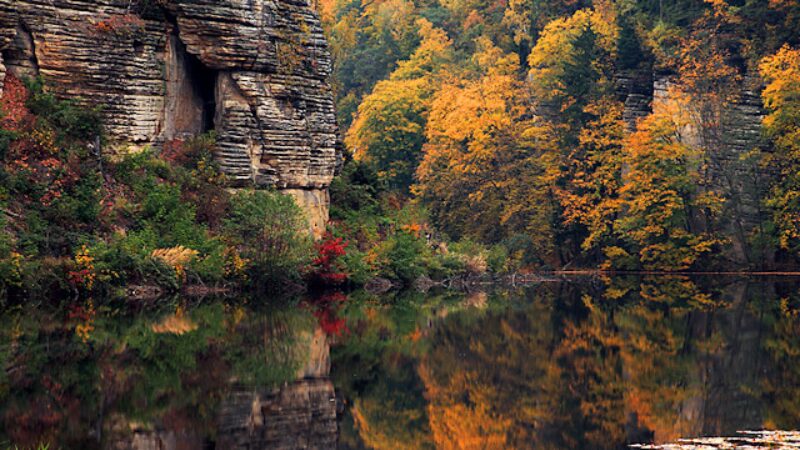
[[269, 231], [390, 236], [76, 220]]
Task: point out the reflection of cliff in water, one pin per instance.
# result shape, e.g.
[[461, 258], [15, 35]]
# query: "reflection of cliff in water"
[[730, 359], [300, 414]]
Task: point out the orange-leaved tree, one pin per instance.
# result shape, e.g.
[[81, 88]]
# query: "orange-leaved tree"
[[480, 156], [660, 200], [782, 124]]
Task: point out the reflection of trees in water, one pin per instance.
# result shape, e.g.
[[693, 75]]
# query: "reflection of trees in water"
[[392, 413], [158, 371], [591, 366], [567, 365], [374, 371], [781, 389], [697, 357], [474, 374]]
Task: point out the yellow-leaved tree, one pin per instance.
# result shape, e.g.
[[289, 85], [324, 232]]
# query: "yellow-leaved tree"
[[480, 160], [572, 85], [782, 99], [588, 180], [389, 129], [661, 198], [571, 61]]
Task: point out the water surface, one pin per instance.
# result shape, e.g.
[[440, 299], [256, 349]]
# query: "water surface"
[[584, 363]]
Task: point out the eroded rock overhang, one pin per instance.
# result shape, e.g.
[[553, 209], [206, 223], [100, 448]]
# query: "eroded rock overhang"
[[253, 71]]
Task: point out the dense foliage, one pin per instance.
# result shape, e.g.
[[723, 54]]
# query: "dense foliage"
[[78, 218], [390, 238], [508, 122]]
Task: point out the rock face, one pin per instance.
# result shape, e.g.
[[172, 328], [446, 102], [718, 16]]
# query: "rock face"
[[635, 90], [740, 178], [254, 71], [732, 169]]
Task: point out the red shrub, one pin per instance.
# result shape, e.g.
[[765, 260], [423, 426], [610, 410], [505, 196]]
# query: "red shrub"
[[119, 25], [33, 152], [14, 115], [326, 268]]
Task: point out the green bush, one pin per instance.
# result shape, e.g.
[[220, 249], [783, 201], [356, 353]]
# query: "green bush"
[[126, 259], [472, 254], [159, 210], [404, 255], [70, 120], [355, 193], [10, 276], [269, 229], [357, 270], [441, 266], [521, 251], [497, 259]]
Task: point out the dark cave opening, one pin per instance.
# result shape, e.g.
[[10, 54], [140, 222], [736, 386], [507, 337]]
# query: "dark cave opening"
[[204, 82], [19, 56], [191, 93]]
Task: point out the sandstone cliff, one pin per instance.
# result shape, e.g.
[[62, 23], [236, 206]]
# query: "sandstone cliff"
[[732, 170], [254, 71]]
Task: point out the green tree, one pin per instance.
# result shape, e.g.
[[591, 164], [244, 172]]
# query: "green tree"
[[270, 231], [389, 128]]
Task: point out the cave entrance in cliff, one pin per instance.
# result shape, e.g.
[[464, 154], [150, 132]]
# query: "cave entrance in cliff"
[[205, 86], [191, 93], [19, 56]]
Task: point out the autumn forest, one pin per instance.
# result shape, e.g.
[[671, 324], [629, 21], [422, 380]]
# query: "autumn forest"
[[399, 224], [623, 135]]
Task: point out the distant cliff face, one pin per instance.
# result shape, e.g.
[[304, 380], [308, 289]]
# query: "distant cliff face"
[[732, 170], [254, 71]]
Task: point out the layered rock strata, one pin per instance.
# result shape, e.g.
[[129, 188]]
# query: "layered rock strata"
[[253, 71], [734, 170]]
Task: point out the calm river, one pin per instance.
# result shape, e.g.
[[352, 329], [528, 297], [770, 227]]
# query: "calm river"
[[585, 363]]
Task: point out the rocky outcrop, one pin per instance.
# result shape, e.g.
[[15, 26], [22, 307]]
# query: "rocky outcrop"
[[635, 90], [254, 71], [734, 169]]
